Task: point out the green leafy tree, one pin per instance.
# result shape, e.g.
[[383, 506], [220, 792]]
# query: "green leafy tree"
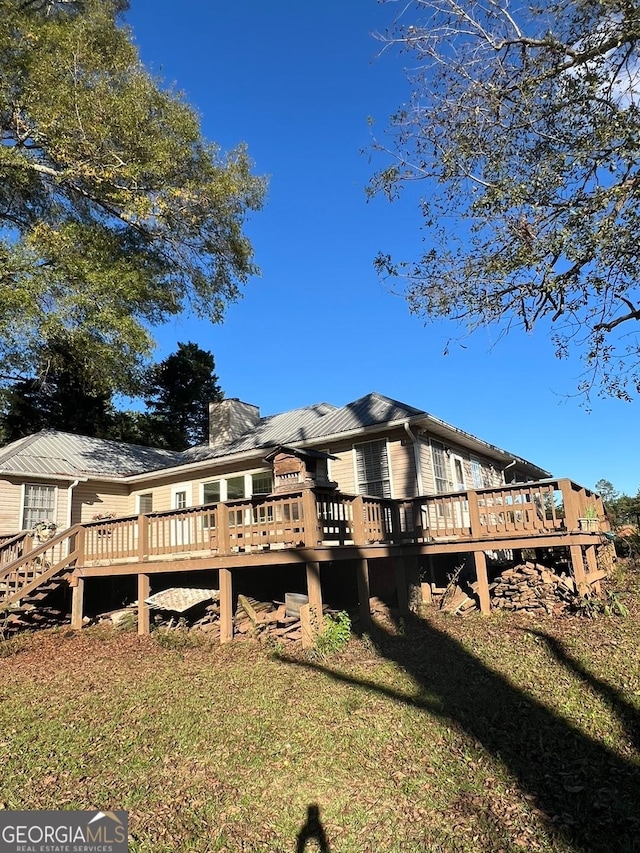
[[523, 127], [115, 213], [179, 390]]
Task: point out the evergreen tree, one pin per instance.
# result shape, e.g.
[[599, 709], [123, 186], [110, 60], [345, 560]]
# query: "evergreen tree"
[[179, 390]]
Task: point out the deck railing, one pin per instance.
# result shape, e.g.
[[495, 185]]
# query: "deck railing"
[[319, 517]]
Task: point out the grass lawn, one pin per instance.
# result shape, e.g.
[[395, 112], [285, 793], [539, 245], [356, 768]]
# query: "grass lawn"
[[507, 733]]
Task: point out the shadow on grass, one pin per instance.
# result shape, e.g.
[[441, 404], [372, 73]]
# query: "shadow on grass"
[[586, 793], [627, 714], [313, 830]]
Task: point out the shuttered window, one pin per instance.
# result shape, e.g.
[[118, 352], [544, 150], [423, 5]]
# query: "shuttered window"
[[39, 504], [372, 467]]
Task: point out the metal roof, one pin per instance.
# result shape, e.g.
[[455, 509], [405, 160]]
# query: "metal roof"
[[286, 428], [371, 410], [51, 453]]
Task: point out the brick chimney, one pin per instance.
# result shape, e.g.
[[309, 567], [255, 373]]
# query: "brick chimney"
[[230, 419]]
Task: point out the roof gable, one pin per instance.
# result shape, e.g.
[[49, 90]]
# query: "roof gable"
[[371, 410]]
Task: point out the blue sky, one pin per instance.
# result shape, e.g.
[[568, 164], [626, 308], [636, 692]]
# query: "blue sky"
[[298, 82]]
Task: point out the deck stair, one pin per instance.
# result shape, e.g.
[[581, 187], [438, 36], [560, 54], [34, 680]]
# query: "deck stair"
[[30, 578]]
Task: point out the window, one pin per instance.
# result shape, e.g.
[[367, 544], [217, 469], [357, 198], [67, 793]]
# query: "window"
[[458, 473], [180, 500], [39, 504], [476, 473], [145, 503], [372, 469], [440, 468], [211, 492], [262, 483], [235, 488]]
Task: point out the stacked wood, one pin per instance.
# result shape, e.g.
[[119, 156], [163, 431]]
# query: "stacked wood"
[[534, 588], [459, 596], [29, 617]]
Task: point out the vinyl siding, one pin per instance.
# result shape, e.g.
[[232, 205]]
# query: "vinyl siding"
[[94, 497], [403, 468], [10, 506], [491, 472]]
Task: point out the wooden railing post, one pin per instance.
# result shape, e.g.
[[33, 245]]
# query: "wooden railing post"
[[570, 503], [474, 514], [27, 544], [312, 532], [143, 538], [359, 537], [78, 546], [418, 530], [224, 545]]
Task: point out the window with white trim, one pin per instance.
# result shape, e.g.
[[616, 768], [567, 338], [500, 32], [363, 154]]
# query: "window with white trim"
[[372, 469], [235, 488], [477, 474], [262, 483], [145, 503], [39, 504], [238, 487], [440, 475], [211, 492]]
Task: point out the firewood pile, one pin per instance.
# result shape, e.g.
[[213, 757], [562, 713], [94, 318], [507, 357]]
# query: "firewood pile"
[[534, 588], [253, 618], [29, 617]]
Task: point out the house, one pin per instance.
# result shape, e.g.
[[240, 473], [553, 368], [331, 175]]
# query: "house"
[[376, 492], [376, 446]]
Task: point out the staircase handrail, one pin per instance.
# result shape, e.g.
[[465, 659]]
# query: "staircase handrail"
[[42, 549]]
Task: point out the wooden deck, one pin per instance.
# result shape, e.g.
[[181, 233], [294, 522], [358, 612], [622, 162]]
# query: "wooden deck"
[[312, 527]]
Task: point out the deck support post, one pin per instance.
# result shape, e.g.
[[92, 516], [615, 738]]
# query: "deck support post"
[[577, 564], [314, 591], [226, 605], [401, 586], [143, 607], [364, 594], [77, 602], [592, 565], [414, 590], [480, 561]]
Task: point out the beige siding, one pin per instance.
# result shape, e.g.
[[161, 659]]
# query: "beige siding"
[[401, 464], [97, 498], [10, 506], [491, 471], [403, 468], [426, 466], [11, 502], [342, 469]]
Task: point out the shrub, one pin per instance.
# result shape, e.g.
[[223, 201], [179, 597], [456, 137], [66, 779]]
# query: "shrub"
[[335, 634]]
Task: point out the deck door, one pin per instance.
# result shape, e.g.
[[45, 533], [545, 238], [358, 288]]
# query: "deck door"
[[180, 526], [461, 508]]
